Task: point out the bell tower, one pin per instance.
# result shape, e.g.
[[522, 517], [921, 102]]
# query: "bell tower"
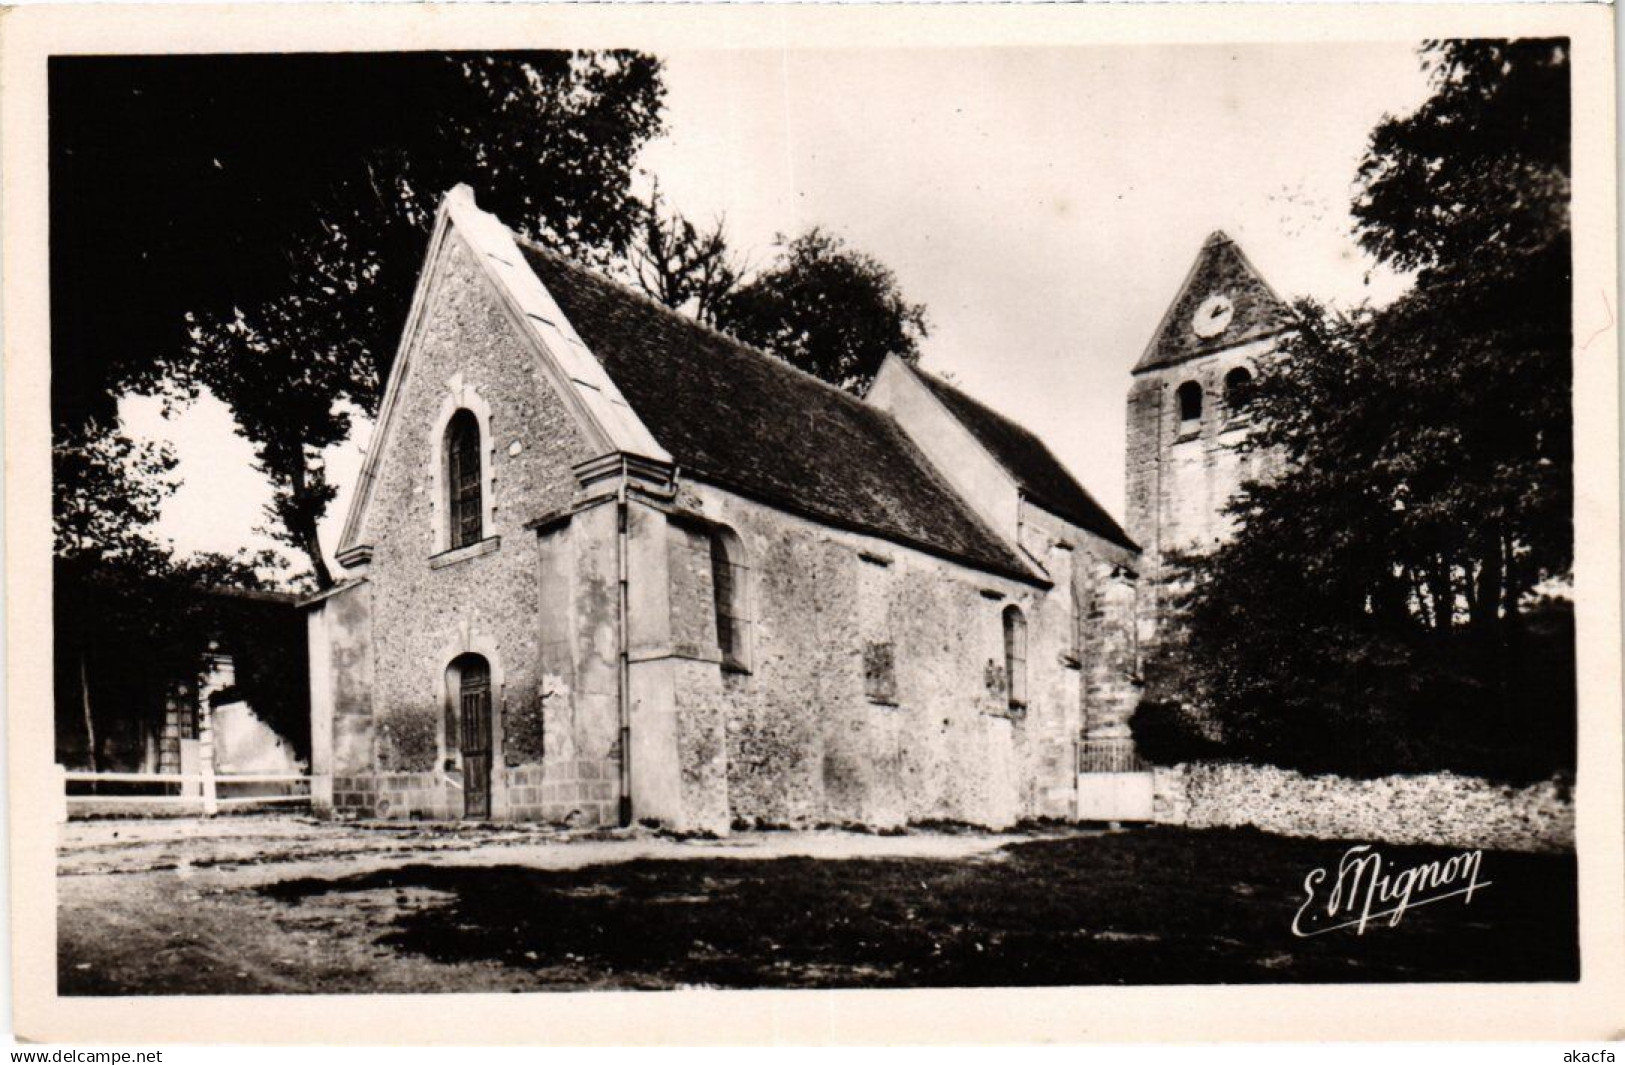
[[1187, 412]]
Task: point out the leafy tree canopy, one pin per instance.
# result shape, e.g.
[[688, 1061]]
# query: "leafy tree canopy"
[[821, 305], [1479, 173], [297, 339], [196, 183], [686, 267], [828, 309]]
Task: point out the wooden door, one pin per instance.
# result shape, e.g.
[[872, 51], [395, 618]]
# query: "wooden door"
[[476, 736]]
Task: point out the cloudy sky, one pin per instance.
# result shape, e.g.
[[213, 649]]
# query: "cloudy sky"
[[1043, 204]]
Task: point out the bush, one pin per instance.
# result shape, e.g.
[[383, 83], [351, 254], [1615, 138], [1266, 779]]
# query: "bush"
[[1167, 733]]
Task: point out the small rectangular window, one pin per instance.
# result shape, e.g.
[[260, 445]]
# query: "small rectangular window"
[[880, 673]]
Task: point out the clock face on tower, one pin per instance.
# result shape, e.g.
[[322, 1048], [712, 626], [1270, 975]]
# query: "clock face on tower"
[[1213, 316]]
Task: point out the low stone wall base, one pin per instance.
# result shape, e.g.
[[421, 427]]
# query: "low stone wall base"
[[578, 793]]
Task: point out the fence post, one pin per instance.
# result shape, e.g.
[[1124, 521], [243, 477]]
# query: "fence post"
[[61, 776], [205, 735]]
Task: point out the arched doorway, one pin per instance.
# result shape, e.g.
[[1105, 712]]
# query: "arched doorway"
[[468, 729]]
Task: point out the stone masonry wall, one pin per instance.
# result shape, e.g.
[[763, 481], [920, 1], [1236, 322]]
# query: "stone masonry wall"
[[1101, 579], [346, 627], [813, 736], [427, 608], [1438, 808], [578, 779]]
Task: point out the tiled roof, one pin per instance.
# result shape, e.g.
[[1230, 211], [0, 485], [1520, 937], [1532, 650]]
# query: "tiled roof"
[[1220, 269], [1026, 458], [751, 423]]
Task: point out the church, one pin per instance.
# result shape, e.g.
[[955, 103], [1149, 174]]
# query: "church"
[[605, 565]]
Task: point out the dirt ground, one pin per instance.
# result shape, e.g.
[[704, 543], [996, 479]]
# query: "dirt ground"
[[293, 905]]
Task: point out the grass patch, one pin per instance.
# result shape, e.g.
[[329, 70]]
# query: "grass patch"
[[1155, 906]]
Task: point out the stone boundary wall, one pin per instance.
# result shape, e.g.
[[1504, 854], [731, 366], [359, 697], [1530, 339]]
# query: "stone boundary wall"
[[1437, 808]]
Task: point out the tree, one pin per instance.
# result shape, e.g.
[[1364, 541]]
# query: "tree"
[[1380, 606], [548, 141], [1472, 192], [680, 265], [828, 309], [824, 307], [185, 182], [108, 492]]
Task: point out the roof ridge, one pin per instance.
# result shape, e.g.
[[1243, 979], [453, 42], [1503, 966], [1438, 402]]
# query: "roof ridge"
[[691, 322], [894, 492]]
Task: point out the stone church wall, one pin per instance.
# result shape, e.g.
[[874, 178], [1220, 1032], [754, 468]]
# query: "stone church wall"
[[877, 692], [1101, 602]]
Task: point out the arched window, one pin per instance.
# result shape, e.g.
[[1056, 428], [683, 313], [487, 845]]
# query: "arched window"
[[463, 502], [1238, 386], [1015, 656], [728, 587], [1190, 402]]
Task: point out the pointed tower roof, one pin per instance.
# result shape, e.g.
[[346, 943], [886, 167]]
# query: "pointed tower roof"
[[1223, 302]]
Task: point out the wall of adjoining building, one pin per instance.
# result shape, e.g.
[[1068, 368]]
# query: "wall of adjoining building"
[[341, 725], [1103, 580]]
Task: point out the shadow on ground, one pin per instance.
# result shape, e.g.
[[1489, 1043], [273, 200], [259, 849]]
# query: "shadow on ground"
[[1158, 906]]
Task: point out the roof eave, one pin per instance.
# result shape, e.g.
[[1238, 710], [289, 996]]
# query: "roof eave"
[[768, 499]]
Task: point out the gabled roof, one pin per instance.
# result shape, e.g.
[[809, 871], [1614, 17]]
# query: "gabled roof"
[[1221, 268], [746, 421], [1029, 461]]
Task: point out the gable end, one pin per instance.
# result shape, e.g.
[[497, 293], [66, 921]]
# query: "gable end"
[[602, 413]]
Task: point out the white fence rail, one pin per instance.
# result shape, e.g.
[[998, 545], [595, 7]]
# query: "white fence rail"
[[195, 789]]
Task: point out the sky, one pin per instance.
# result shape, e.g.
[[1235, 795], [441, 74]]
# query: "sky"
[[1044, 205]]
